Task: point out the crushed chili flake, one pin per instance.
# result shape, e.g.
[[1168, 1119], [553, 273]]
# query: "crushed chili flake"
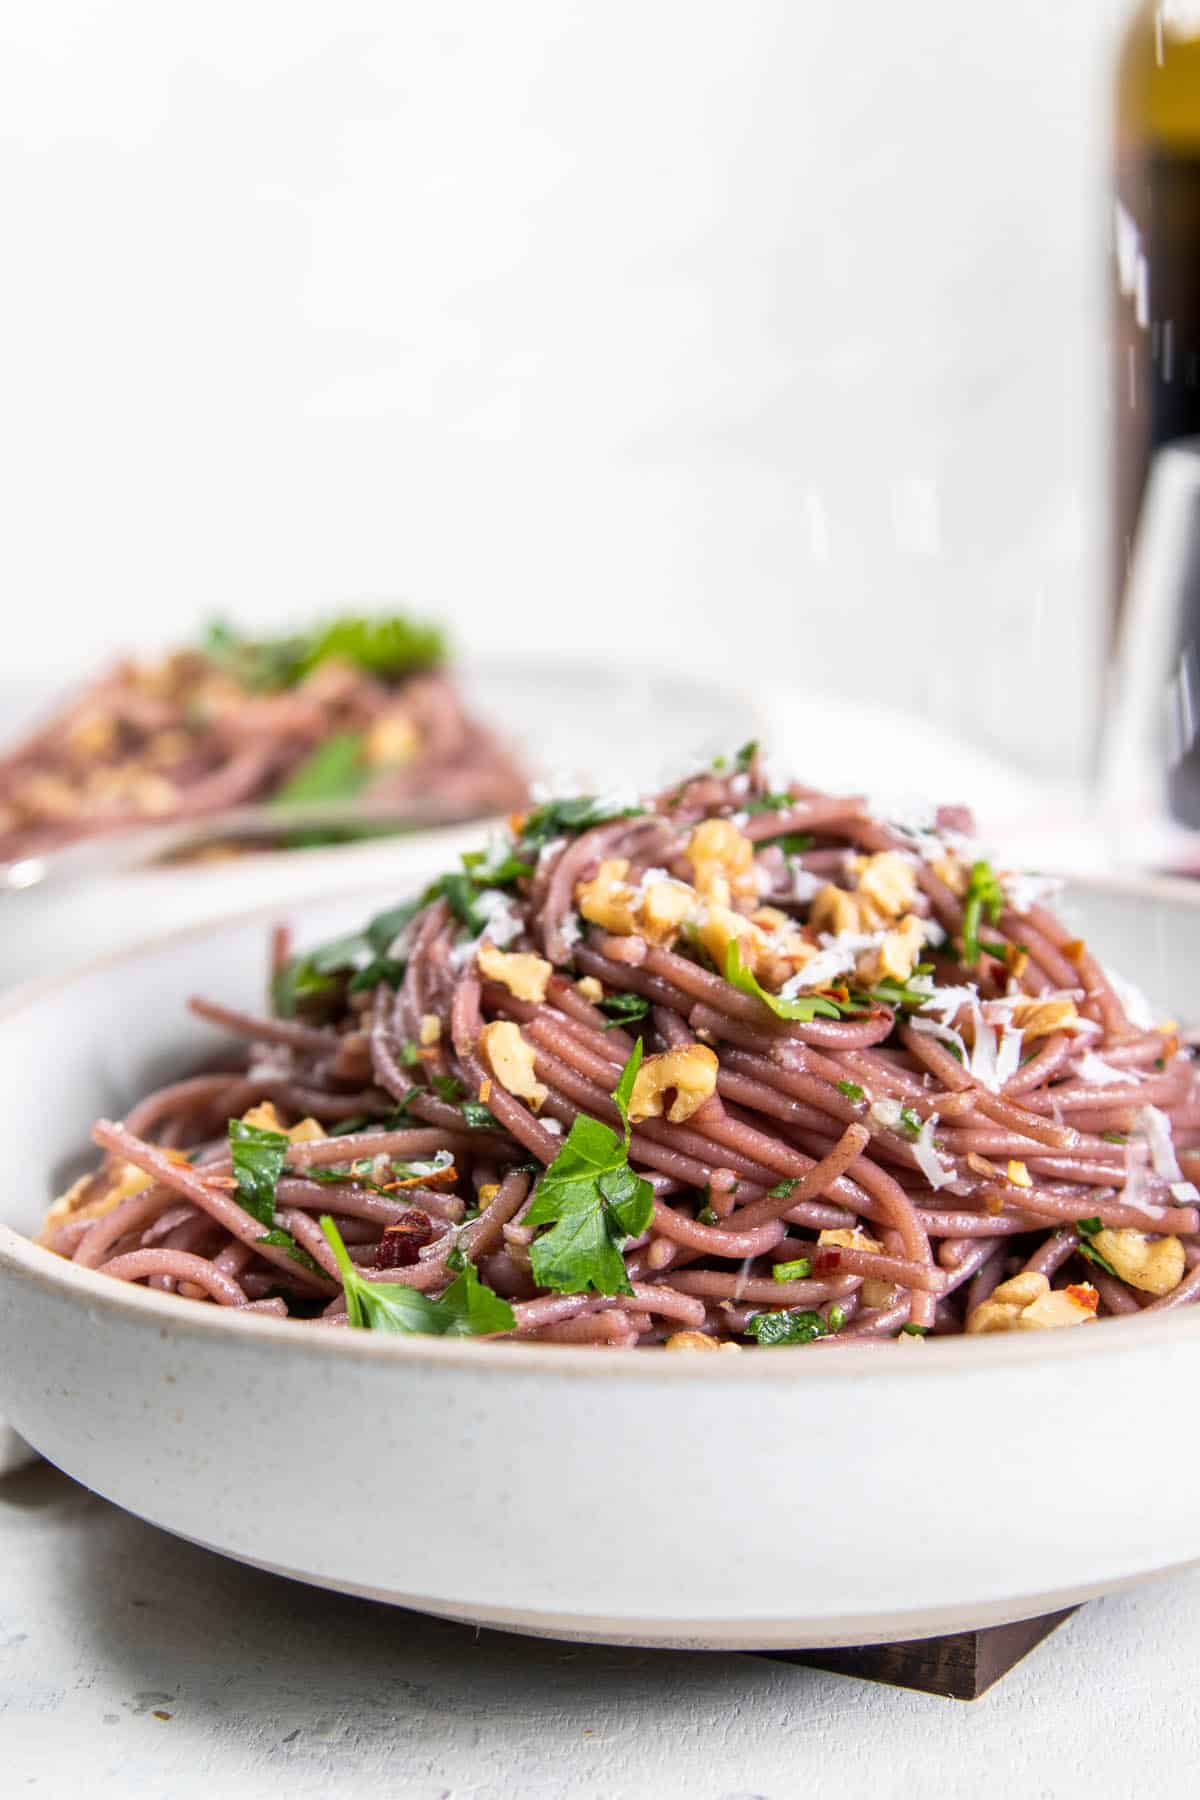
[[826, 1262], [401, 1242], [1074, 949], [1086, 1296], [485, 1090]]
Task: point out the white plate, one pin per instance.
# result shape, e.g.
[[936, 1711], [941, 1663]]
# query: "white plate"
[[766, 1499], [571, 720]]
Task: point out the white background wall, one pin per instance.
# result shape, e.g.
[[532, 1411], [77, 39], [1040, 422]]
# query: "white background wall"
[[763, 335]]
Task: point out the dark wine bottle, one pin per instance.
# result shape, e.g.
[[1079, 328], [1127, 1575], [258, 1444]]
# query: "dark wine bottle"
[[1156, 255]]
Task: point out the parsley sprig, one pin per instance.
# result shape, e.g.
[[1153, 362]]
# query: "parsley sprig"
[[593, 1201], [468, 1308], [258, 1159]]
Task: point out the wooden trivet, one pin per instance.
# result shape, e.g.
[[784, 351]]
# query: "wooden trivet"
[[961, 1664]]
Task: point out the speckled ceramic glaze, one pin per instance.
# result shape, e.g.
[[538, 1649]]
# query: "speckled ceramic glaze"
[[774, 1498]]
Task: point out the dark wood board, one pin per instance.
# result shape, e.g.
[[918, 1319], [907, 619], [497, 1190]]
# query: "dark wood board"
[[962, 1665]]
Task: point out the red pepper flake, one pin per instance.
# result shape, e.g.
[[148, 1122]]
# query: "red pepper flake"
[[485, 1090], [401, 1242], [1085, 1296], [1074, 950], [826, 1262]]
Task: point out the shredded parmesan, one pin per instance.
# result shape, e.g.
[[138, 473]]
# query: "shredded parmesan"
[[933, 1169], [1023, 892], [1155, 1127]]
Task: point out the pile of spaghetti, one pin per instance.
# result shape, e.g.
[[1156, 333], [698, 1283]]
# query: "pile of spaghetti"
[[737, 1065], [355, 709]]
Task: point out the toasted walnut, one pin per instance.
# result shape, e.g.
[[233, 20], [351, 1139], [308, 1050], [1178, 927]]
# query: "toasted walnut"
[[93, 734], [691, 1071], [46, 796], [718, 926], [430, 1029], [510, 1059], [723, 861], [1018, 1174], [1007, 1302], [1152, 1265], [264, 1116], [1028, 1303], [487, 1192], [834, 910], [952, 872], [96, 1194], [697, 1340], [608, 899], [897, 956], [131, 787], [878, 1295], [1038, 1018], [888, 881], [849, 1240], [590, 988], [392, 739], [523, 974], [1075, 1305], [664, 907]]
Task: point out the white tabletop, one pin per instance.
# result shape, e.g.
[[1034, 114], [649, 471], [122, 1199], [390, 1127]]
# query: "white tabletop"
[[133, 1664]]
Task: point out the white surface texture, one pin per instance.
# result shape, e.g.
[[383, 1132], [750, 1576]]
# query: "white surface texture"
[[764, 336], [275, 1689]]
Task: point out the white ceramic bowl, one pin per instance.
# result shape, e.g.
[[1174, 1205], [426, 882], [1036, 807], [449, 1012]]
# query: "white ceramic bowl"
[[770, 1499]]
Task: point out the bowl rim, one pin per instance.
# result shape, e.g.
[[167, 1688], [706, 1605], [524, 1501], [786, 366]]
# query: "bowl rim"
[[22, 1257]]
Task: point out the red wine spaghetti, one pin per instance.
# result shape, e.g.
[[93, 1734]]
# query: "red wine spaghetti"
[[357, 709], [733, 1066]]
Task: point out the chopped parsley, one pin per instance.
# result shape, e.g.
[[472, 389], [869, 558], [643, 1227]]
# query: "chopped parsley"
[[335, 770], [910, 1124], [468, 1308], [851, 1090], [746, 755], [911, 1330], [803, 1009], [389, 646], [258, 1159], [1115, 1137], [283, 1240], [984, 896], [768, 803], [796, 1270], [707, 1216], [623, 1009], [593, 1202], [796, 1327], [782, 1189], [478, 1116], [567, 818], [448, 1088]]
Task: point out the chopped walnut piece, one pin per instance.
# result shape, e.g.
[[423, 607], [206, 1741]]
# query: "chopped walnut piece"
[[510, 1059], [690, 1070], [524, 975], [1152, 1265]]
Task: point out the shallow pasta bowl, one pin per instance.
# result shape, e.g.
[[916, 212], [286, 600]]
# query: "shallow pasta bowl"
[[777, 1498]]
